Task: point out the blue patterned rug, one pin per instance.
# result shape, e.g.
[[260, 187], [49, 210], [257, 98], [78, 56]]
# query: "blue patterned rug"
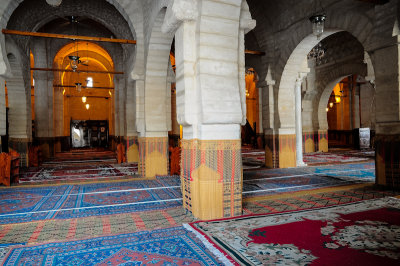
[[21, 204], [172, 246]]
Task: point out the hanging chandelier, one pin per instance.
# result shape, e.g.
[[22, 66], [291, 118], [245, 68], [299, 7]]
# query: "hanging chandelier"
[[78, 86], [74, 61], [317, 52]]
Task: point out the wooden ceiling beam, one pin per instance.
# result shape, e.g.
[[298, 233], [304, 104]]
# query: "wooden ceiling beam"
[[253, 52], [77, 71], [83, 87], [65, 36]]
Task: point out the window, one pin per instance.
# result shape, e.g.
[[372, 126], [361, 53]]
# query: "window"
[[89, 82]]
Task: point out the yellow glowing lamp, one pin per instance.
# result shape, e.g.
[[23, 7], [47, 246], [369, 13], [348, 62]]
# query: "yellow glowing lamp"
[[327, 109], [337, 99], [330, 104], [84, 99], [87, 106]]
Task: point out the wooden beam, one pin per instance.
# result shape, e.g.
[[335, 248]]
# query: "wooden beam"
[[77, 71], [253, 52], [76, 96], [65, 36], [83, 87]]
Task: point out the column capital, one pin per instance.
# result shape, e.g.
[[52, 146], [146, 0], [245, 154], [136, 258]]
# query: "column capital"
[[179, 11], [301, 76]]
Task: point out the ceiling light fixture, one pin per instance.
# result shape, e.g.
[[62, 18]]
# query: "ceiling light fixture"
[[317, 52], [78, 86], [318, 23], [74, 61]]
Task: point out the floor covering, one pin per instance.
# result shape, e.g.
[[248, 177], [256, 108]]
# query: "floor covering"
[[94, 221], [255, 158], [356, 233], [62, 172]]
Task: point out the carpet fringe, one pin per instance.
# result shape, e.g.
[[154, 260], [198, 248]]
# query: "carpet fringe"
[[209, 245]]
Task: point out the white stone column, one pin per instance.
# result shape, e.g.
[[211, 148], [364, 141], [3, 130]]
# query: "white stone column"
[[299, 130], [2, 108], [168, 103]]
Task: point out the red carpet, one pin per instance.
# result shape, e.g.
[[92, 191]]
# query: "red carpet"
[[360, 233]]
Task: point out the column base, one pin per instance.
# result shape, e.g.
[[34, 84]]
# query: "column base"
[[280, 150], [211, 176], [20, 145], [308, 142], [153, 156], [323, 140], [271, 151], [387, 161], [287, 151], [132, 149], [46, 146]]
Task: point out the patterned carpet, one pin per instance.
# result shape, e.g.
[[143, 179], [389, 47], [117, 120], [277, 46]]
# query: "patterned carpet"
[[59, 173], [22, 204], [171, 246], [35, 216], [255, 158], [357, 233]]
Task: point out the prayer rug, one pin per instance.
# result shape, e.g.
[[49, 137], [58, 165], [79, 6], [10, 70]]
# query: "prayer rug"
[[285, 184], [344, 171], [21, 204], [172, 246], [81, 172], [317, 158], [360, 233]]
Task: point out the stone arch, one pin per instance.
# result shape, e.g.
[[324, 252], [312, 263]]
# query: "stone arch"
[[134, 18], [157, 64], [290, 62], [296, 64], [326, 86]]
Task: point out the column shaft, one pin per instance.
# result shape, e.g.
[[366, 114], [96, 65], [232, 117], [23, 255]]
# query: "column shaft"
[[299, 131]]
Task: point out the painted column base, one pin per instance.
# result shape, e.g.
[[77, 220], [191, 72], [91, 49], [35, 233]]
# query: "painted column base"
[[132, 149], [153, 157], [387, 160], [280, 151], [212, 178], [46, 147], [308, 142], [21, 146], [271, 151], [287, 150], [323, 140]]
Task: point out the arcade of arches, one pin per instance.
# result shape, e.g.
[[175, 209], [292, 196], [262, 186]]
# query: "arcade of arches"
[[209, 95]]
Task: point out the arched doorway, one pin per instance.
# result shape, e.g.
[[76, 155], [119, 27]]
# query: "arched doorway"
[[83, 96]]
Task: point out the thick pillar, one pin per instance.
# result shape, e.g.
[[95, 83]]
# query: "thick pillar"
[[387, 139], [20, 125], [59, 119], [131, 144], [44, 134], [210, 102], [299, 129]]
